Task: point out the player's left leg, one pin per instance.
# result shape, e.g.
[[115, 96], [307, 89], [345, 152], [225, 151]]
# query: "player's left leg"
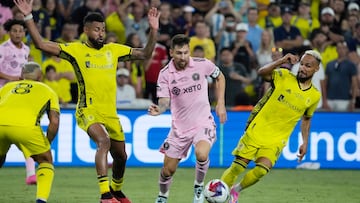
[[202, 149], [118, 153], [44, 175]]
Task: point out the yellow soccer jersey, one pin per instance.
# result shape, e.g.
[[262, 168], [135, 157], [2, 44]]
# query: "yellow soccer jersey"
[[277, 113], [22, 103], [95, 71]]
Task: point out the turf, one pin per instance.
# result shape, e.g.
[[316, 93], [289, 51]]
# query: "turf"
[[79, 185]]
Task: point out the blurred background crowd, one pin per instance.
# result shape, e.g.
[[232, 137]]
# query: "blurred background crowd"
[[238, 35]]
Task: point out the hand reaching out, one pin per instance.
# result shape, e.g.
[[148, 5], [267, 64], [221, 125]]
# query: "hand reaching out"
[[25, 6], [153, 18]]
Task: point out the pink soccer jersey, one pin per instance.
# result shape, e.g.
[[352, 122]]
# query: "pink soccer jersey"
[[12, 59], [188, 93]]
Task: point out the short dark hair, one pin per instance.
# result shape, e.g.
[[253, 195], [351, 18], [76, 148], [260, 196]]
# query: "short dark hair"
[[9, 23], [199, 48], [179, 40], [94, 17]]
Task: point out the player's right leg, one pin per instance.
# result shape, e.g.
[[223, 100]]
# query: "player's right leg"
[[165, 178], [44, 175], [99, 135]]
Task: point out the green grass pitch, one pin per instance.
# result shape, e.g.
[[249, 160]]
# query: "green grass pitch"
[[79, 185]]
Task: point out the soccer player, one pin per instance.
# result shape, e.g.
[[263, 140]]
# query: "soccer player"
[[13, 55], [289, 99], [95, 65], [183, 86], [22, 103]]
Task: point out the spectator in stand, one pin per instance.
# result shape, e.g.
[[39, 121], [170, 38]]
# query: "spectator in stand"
[[341, 85], [188, 28], [242, 7], [65, 75], [152, 68], [329, 27], [236, 77], [80, 12], [202, 38], [286, 36], [242, 48], [203, 6], [273, 19], [56, 20], [136, 67], [42, 19], [304, 21], [125, 93], [354, 45], [167, 28], [325, 47], [51, 80], [138, 23], [338, 7], [264, 52], [254, 32], [66, 7], [115, 21], [216, 16], [227, 34], [352, 22]]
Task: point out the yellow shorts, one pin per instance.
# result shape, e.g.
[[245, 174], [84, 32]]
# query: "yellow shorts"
[[248, 149], [30, 140], [85, 117]]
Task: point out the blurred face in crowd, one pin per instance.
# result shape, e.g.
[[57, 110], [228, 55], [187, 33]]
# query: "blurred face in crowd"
[[342, 49], [201, 29], [181, 56], [226, 57], [17, 33]]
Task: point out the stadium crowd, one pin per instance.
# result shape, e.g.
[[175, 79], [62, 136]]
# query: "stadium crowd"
[[238, 35]]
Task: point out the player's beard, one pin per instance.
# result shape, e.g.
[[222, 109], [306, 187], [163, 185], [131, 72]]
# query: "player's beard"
[[303, 79], [97, 44]]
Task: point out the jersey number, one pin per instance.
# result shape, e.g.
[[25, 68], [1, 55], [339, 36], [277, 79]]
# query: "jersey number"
[[22, 88]]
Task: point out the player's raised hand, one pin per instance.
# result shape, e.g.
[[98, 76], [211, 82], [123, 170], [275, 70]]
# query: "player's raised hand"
[[25, 6], [153, 18], [290, 58]]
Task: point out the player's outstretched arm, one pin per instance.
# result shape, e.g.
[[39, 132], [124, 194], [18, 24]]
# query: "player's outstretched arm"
[[25, 6], [146, 52]]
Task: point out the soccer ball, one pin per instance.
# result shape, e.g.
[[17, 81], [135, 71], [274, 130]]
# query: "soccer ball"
[[216, 191]]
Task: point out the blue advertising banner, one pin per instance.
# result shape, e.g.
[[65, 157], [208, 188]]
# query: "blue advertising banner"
[[334, 141]]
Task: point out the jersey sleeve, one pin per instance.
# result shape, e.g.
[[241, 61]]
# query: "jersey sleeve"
[[163, 85], [54, 100], [121, 51]]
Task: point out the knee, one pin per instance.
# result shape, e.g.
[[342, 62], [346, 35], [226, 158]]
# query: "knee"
[[260, 170], [168, 171], [201, 156], [103, 143]]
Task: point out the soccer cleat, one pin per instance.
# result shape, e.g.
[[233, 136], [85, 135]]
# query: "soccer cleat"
[[112, 200], [119, 195], [31, 180], [233, 196], [161, 199], [198, 194]]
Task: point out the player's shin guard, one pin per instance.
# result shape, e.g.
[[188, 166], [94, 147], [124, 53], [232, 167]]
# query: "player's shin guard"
[[45, 176], [231, 174], [201, 169], [254, 175], [164, 183]]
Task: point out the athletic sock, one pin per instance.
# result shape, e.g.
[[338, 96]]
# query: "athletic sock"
[[103, 182], [200, 171], [164, 183], [231, 174], [44, 176], [254, 175]]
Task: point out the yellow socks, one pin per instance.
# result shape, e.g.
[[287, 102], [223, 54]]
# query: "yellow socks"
[[116, 185], [231, 174], [103, 184], [254, 175], [45, 176]]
